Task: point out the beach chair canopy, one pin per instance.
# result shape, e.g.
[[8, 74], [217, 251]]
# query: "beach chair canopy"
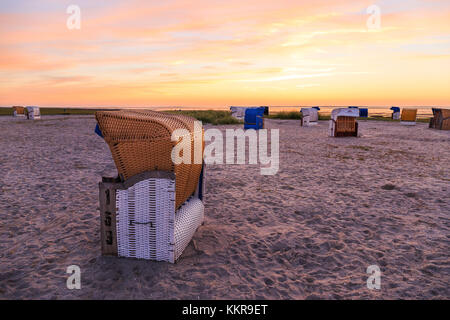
[[254, 118], [317, 108], [409, 115], [445, 119], [311, 112], [395, 109], [140, 141], [363, 112], [19, 109], [344, 112]]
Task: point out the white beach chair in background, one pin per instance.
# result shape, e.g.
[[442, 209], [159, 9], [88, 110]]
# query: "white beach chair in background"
[[310, 117]]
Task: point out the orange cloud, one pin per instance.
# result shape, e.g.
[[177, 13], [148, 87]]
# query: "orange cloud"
[[203, 53]]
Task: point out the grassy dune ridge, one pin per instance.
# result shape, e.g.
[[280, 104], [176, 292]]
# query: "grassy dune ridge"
[[216, 117]]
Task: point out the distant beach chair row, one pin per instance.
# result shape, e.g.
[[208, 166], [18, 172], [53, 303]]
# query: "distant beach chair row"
[[30, 112], [344, 123], [154, 206]]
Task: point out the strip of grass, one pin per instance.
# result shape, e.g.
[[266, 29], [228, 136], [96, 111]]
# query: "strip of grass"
[[67, 111], [209, 116], [53, 111], [294, 115], [215, 117]]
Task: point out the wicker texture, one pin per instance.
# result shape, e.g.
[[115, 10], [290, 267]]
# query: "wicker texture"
[[343, 126], [445, 122], [409, 115], [141, 141], [441, 119], [148, 227]]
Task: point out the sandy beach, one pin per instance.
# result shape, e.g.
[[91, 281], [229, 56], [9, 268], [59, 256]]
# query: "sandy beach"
[[335, 207]]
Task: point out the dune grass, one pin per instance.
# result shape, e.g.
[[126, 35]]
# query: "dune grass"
[[209, 116], [53, 111], [285, 115]]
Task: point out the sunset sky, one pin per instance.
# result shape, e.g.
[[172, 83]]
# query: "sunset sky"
[[213, 53]]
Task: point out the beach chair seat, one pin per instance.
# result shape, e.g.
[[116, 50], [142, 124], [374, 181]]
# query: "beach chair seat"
[[343, 122], [408, 117], [310, 117], [254, 118], [18, 111], [440, 119], [152, 209]]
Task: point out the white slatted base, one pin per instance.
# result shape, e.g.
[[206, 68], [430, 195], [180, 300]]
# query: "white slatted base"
[[147, 225], [408, 123]]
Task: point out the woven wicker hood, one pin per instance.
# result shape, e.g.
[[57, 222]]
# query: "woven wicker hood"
[[19, 109], [141, 141]]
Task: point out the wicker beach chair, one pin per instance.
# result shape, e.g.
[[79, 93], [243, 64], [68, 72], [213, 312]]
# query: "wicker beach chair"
[[153, 208], [18, 111], [310, 117], [395, 113], [408, 117], [441, 119], [343, 122], [33, 113], [254, 118]]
